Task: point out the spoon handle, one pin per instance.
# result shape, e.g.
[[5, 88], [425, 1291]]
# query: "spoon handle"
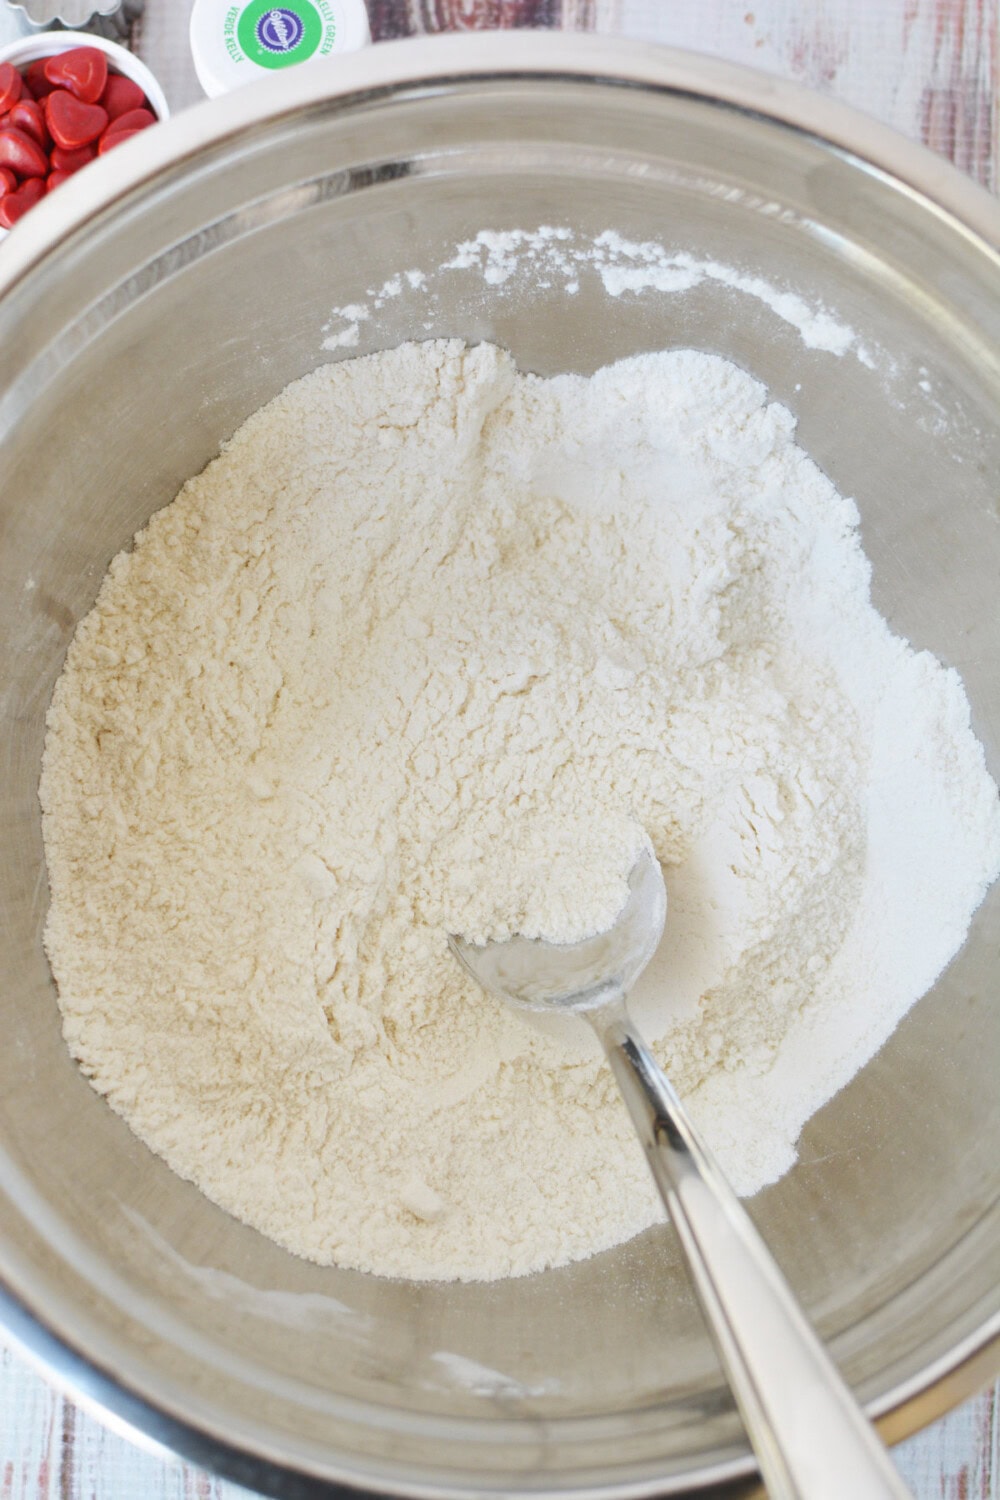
[[811, 1439]]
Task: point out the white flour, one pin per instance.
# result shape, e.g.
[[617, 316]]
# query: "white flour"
[[424, 635], [634, 266], [549, 256]]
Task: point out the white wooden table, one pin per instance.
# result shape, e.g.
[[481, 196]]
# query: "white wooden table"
[[928, 67]]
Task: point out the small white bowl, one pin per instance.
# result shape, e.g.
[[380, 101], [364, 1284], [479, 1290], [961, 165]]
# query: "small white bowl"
[[28, 49]]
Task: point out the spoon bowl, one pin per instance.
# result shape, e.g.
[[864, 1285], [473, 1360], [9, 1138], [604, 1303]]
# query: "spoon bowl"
[[535, 975]]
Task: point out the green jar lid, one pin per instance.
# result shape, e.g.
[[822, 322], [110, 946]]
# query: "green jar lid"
[[235, 41]]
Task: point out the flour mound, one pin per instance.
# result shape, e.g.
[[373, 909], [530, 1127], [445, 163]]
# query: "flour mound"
[[434, 647]]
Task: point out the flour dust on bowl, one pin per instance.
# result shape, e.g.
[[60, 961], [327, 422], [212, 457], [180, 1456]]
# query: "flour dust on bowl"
[[342, 214]]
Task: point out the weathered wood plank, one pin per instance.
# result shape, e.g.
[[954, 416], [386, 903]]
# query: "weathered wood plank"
[[927, 67], [957, 1458], [50, 1450], [31, 1433], [394, 18]]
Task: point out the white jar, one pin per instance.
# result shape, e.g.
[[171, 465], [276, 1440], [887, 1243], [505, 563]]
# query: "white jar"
[[234, 42]]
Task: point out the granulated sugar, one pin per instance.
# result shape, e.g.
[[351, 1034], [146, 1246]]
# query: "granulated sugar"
[[434, 647]]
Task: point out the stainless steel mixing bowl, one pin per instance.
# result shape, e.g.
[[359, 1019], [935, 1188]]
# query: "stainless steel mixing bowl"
[[145, 310]]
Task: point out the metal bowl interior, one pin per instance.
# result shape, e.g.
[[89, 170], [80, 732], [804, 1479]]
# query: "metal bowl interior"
[[143, 314]]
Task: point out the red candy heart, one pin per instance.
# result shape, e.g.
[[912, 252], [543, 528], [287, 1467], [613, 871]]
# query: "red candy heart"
[[54, 179], [72, 124], [8, 182], [14, 205], [35, 79], [121, 95], [28, 116], [114, 138], [83, 71], [10, 86], [71, 161], [133, 119], [22, 153]]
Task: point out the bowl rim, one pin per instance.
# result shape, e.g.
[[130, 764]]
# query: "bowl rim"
[[448, 59], [439, 61]]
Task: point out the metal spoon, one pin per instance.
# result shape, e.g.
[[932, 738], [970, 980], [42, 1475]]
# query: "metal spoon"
[[811, 1439]]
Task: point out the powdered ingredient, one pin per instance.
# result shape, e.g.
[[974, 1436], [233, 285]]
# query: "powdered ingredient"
[[550, 255], [426, 633]]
